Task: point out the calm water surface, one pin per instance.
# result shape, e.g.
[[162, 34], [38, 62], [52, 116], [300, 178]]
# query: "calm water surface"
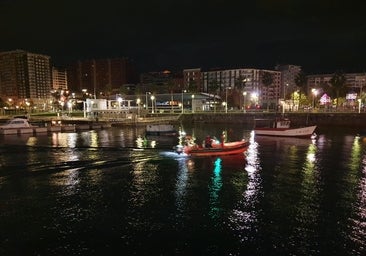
[[97, 192]]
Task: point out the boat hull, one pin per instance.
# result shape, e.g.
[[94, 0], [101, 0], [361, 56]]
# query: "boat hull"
[[304, 132], [161, 130], [230, 148]]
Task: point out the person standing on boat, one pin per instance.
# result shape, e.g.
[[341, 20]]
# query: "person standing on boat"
[[208, 142], [223, 138]]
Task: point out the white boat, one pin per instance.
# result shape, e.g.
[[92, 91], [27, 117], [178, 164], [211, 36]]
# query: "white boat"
[[160, 129], [281, 127], [16, 123]]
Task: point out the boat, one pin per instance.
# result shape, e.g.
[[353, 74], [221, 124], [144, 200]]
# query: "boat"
[[282, 127], [161, 129], [16, 123], [284, 141], [217, 149]]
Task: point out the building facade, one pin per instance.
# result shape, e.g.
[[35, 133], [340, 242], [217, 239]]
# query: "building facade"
[[101, 76], [247, 81], [288, 75], [59, 79], [192, 80], [355, 82], [25, 76]]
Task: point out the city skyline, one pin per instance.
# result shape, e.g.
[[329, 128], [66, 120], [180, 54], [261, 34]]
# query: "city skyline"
[[320, 37]]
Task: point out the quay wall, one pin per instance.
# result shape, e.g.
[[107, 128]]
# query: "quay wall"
[[351, 120]]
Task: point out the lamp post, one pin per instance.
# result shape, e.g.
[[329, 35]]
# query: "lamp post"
[[226, 98], [138, 101], [192, 103], [152, 103], [244, 96], [315, 92], [146, 102], [119, 102], [284, 91], [359, 105], [183, 91]]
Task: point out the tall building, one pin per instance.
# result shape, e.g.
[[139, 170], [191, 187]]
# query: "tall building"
[[25, 76], [192, 78], [288, 75], [59, 79], [163, 81], [101, 76], [355, 82], [248, 80]]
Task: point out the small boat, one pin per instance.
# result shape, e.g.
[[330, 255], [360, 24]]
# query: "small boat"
[[16, 123], [161, 129], [217, 149], [281, 127]]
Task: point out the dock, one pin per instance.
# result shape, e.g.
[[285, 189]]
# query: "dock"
[[55, 128]]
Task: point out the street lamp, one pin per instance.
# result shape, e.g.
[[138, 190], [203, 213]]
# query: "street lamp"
[[152, 103], [284, 91], [119, 102], [183, 91], [146, 103], [359, 105], [226, 98], [138, 101], [244, 96], [315, 93], [192, 103]]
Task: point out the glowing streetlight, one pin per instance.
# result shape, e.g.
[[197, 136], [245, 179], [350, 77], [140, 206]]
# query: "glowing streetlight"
[[152, 103], [138, 101], [244, 96], [359, 105], [315, 93], [192, 103], [119, 102], [69, 106], [183, 91]]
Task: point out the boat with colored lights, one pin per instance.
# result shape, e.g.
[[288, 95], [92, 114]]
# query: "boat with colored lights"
[[217, 149]]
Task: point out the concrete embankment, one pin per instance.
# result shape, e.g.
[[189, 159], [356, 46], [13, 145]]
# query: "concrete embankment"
[[324, 119], [351, 120]]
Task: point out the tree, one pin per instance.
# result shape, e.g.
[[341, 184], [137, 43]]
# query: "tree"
[[192, 86], [301, 82], [338, 84], [267, 81]]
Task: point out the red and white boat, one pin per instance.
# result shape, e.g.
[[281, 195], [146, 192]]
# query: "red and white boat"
[[217, 149], [281, 127]]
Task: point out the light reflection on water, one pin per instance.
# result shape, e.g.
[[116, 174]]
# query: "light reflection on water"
[[96, 191]]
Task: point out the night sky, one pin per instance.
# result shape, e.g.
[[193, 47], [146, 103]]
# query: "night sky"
[[321, 36]]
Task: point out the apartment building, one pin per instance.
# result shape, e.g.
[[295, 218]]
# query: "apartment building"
[[59, 79], [101, 76], [288, 75], [25, 76], [192, 79], [248, 81], [355, 82]]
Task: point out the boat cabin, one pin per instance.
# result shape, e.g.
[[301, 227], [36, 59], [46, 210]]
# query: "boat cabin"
[[280, 123]]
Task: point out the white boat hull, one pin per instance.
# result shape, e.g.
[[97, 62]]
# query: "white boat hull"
[[305, 132]]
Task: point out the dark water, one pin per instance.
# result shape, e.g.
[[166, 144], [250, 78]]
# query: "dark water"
[[96, 193]]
